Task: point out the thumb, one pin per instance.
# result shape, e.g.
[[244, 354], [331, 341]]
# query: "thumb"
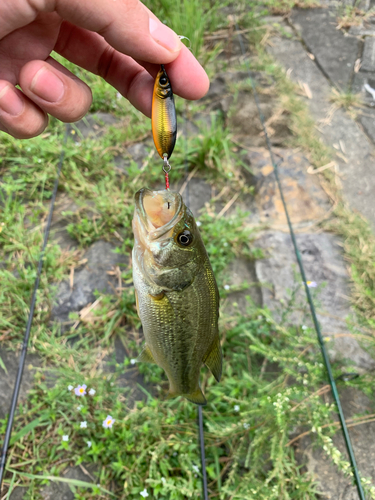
[[127, 25]]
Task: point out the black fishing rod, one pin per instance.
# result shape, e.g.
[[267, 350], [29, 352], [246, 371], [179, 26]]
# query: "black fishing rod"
[[25, 343]]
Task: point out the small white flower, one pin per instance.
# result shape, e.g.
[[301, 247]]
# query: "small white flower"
[[246, 425], [83, 425], [89, 443], [163, 480], [108, 422], [79, 407], [144, 493], [304, 327], [198, 223], [92, 392], [174, 454], [65, 437], [226, 287], [236, 408], [196, 469], [80, 390], [70, 387], [133, 361], [311, 284]]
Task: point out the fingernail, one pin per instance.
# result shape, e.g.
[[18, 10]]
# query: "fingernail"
[[10, 101], [164, 36], [47, 85]]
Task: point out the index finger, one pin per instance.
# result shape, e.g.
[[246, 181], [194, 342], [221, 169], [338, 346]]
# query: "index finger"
[[90, 51], [125, 24]]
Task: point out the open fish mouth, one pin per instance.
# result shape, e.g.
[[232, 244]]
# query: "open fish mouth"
[[158, 211]]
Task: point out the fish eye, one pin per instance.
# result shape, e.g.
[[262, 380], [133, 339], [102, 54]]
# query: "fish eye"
[[185, 238], [163, 80]]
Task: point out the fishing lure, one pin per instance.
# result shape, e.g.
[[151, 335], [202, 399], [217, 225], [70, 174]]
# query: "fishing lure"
[[163, 116]]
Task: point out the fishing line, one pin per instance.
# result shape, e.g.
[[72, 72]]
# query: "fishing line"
[[203, 453], [327, 363], [13, 405]]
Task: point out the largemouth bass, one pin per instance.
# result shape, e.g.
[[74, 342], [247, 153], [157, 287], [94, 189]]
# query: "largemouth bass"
[[176, 292]]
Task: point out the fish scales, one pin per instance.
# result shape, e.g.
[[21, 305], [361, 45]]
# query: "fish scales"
[[178, 306]]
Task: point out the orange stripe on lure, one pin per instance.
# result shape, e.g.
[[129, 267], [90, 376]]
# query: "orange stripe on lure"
[[163, 116]]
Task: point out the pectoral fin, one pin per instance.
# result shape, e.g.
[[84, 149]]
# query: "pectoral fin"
[[146, 355], [214, 359]]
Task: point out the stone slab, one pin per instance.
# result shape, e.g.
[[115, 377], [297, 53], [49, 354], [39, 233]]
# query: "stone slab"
[[56, 490], [197, 193], [368, 56], [94, 124], [138, 152], [231, 93], [357, 173], [8, 379], [324, 264], [131, 378], [334, 52], [242, 271], [333, 484], [307, 202], [367, 119], [360, 81], [101, 259]]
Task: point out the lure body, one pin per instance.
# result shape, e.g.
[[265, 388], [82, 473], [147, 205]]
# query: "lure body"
[[163, 116], [176, 291]]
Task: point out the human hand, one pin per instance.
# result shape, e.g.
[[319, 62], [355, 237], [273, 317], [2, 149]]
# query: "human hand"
[[120, 40]]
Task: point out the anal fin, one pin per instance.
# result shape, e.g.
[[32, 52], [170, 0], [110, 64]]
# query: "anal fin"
[[146, 355], [196, 397], [214, 359]]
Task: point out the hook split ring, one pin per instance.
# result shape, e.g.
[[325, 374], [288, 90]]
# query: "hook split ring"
[[166, 165]]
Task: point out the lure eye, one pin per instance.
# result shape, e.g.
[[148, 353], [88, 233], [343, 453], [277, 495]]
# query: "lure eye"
[[185, 238], [163, 81]]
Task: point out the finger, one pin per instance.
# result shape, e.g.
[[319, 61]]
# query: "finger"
[[189, 80], [55, 90], [90, 51], [19, 117], [125, 24]]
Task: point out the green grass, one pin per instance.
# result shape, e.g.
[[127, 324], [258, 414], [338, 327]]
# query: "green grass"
[[269, 389], [192, 19]]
